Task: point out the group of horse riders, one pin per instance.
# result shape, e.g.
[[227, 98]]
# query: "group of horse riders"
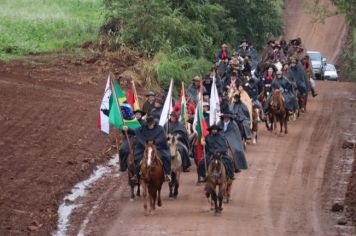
[[283, 66]]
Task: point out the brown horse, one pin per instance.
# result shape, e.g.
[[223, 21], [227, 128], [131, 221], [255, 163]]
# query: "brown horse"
[[254, 124], [176, 165], [131, 174], [152, 176], [262, 97], [216, 178], [280, 114], [302, 102]]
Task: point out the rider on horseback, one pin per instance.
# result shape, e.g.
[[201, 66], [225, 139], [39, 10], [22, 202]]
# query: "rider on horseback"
[[242, 117], [175, 127], [152, 131], [216, 142]]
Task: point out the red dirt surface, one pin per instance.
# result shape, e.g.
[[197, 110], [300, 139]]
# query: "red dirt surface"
[[326, 38], [49, 140], [282, 193]]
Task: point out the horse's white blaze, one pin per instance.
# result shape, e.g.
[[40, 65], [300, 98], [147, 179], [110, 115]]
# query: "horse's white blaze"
[[216, 161], [149, 156]]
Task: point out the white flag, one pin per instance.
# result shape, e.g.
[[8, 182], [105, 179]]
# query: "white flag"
[[103, 119], [214, 113], [167, 107]]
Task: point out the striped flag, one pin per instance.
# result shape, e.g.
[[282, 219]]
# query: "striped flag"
[[183, 107], [132, 97], [201, 128], [103, 118]]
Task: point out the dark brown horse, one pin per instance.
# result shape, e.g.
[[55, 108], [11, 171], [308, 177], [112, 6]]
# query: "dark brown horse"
[[132, 179], [263, 97], [280, 114], [152, 176], [216, 178], [302, 102], [254, 124]]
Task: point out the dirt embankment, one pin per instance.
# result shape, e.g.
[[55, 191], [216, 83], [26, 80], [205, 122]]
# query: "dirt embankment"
[[49, 140], [326, 38]]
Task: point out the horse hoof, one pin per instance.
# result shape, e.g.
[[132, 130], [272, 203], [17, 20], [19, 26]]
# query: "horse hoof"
[[132, 199], [159, 203], [170, 195]]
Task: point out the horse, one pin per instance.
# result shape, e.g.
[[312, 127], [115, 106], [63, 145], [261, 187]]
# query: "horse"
[[302, 102], [216, 177], [254, 129], [262, 97], [176, 165], [280, 114], [131, 175], [152, 176]]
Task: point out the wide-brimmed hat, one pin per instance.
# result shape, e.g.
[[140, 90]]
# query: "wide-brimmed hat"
[[159, 100], [197, 78], [224, 45], [206, 104], [227, 114], [150, 93], [174, 114], [277, 46], [140, 111], [214, 126], [244, 44], [150, 120], [293, 60]]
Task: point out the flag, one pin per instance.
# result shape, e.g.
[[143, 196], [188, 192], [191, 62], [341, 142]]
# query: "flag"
[[167, 107], [201, 128], [183, 107], [214, 114], [103, 118], [121, 112], [132, 97]]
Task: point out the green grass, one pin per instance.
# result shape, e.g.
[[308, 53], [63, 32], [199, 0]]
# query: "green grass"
[[46, 25]]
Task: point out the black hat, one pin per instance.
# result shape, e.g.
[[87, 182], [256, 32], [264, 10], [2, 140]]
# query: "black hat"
[[140, 111], [174, 114], [150, 120], [206, 93], [277, 46], [227, 114], [214, 126], [233, 74], [159, 100]]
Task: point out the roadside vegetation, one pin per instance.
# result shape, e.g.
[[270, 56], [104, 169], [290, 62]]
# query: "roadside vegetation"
[[46, 25], [185, 35]]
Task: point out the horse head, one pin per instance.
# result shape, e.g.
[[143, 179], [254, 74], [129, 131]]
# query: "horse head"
[[150, 154], [173, 144], [277, 100], [216, 165]]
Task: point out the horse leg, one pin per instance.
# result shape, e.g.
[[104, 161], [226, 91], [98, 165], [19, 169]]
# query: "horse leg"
[[220, 198], [176, 186], [170, 184], [138, 193], [281, 121], [145, 197], [132, 191], [159, 201], [275, 124], [286, 123], [214, 198]]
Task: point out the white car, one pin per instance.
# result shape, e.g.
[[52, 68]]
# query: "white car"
[[330, 72]]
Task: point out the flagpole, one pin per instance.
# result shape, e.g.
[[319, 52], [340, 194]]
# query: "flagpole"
[[123, 120]]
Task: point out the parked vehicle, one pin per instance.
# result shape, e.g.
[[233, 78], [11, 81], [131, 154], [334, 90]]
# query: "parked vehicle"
[[318, 62], [330, 72]]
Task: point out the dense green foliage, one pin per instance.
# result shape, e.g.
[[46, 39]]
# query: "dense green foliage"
[[45, 25], [190, 32]]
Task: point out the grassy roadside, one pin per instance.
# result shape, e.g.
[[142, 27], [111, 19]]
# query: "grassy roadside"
[[46, 25]]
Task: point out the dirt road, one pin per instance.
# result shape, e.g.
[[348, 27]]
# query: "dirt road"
[[280, 194]]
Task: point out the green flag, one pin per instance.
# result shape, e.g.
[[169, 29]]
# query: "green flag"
[[121, 112]]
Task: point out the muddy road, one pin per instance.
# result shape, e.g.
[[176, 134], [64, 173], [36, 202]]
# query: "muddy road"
[[280, 194]]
